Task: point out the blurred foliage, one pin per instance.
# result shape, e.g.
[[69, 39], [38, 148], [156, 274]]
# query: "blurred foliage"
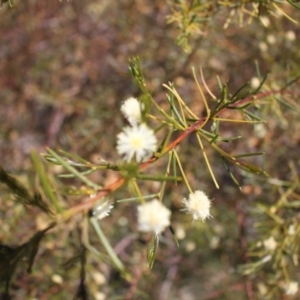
[[10, 2], [276, 252], [64, 73], [22, 194], [11, 258], [194, 16]]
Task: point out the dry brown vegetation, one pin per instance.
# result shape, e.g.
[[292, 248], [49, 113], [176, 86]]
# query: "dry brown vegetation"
[[63, 75]]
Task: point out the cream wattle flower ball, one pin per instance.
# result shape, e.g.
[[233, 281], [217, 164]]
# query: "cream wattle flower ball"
[[291, 288], [131, 109], [137, 141], [102, 210], [270, 243], [198, 205], [153, 216]]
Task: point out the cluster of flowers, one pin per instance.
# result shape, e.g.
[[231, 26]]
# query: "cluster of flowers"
[[138, 142]]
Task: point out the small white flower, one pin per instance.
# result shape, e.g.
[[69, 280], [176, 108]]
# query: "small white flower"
[[214, 242], [153, 216], [291, 230], [198, 205], [270, 244], [254, 82], [291, 288], [265, 20], [138, 141], [262, 289], [271, 39], [260, 130], [263, 46], [102, 210], [290, 35], [131, 109]]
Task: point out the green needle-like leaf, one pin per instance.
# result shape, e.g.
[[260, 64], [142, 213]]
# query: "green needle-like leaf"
[[151, 251], [72, 170]]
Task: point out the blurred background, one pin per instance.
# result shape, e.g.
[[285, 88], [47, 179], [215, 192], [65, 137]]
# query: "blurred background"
[[63, 76]]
